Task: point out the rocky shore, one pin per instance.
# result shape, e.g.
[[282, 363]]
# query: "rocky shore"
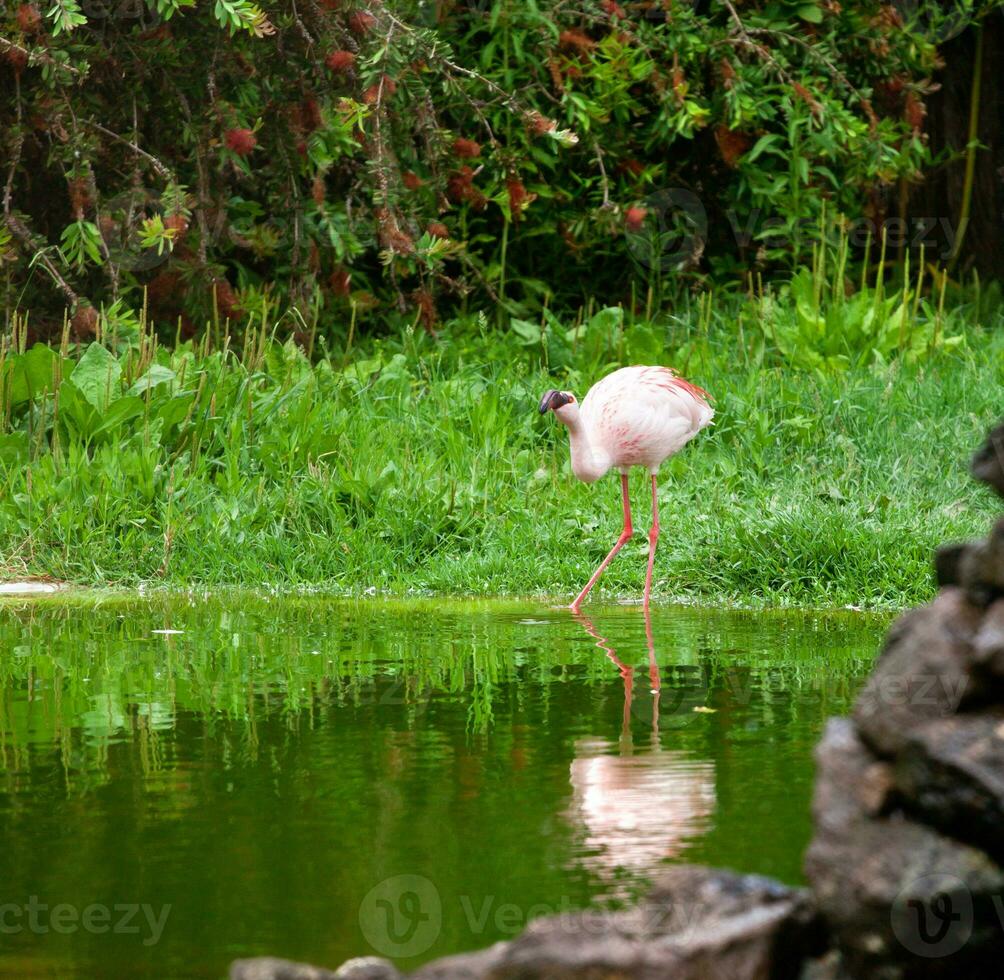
[[906, 866]]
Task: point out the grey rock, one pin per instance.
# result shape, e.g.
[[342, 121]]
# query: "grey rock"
[[947, 559], [981, 567], [271, 968], [696, 923], [988, 644], [923, 673], [950, 773], [988, 462], [976, 566], [367, 968], [464, 966], [900, 899], [830, 966]]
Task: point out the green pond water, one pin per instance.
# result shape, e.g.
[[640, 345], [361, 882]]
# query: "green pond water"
[[188, 780]]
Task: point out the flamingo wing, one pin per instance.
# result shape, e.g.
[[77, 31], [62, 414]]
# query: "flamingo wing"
[[642, 415]]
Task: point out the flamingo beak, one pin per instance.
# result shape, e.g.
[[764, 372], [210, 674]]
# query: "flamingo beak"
[[545, 401], [552, 398]]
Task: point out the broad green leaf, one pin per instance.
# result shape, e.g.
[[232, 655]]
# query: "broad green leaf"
[[527, 331], [14, 449], [607, 321], [176, 409], [30, 373], [97, 375], [156, 375], [120, 411], [77, 414]]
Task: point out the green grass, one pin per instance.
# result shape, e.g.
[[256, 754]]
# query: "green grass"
[[423, 465]]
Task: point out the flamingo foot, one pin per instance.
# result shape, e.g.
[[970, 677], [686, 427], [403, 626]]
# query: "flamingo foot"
[[653, 543]]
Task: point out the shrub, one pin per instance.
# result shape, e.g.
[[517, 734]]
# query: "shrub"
[[230, 155]]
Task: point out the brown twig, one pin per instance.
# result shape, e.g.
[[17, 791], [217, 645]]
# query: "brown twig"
[[508, 100], [23, 235], [604, 180], [162, 168], [34, 55], [203, 195], [16, 154], [745, 39], [301, 27], [810, 50]]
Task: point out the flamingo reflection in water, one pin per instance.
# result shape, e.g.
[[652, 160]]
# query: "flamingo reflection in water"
[[637, 806]]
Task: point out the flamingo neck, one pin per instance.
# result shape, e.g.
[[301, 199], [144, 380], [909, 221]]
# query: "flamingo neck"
[[588, 464]]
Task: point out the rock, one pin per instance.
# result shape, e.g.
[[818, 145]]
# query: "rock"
[[947, 559], [900, 899], [744, 925], [981, 567], [976, 566], [828, 967], [270, 968], [988, 644], [367, 968], [465, 966], [696, 923], [950, 773], [923, 673], [988, 462]]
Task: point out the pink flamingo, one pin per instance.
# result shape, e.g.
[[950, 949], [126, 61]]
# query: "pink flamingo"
[[637, 416]]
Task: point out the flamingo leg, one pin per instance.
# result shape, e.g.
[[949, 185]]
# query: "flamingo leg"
[[621, 541], [627, 674], [653, 664], [653, 542], [653, 675]]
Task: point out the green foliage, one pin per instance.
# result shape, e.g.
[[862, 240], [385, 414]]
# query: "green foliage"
[[427, 157], [65, 15], [833, 332], [412, 463], [81, 244]]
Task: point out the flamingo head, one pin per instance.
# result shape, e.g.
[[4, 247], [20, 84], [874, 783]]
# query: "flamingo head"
[[562, 403]]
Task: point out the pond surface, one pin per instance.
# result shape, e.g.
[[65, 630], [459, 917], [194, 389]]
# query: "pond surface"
[[185, 781]]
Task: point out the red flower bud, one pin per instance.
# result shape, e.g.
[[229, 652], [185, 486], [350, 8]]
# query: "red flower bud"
[[177, 223], [634, 218], [17, 59], [29, 19], [85, 320], [467, 149], [340, 281], [241, 141], [340, 61], [362, 22]]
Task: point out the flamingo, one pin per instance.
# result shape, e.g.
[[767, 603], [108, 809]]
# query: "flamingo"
[[636, 416], [643, 803]]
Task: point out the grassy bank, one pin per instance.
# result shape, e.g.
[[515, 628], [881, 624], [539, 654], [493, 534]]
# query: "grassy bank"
[[422, 464]]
